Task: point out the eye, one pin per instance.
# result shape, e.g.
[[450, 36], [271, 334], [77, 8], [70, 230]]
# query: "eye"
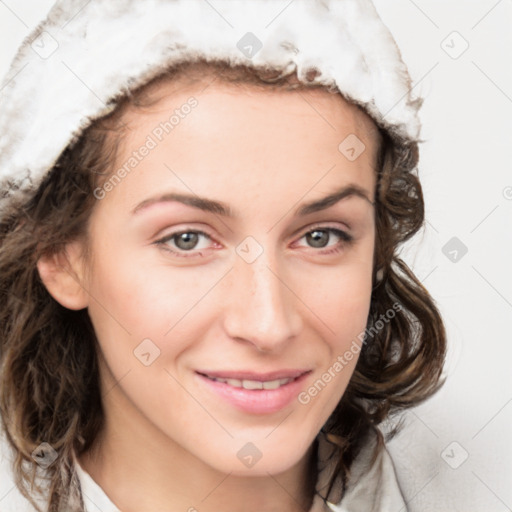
[[319, 237], [183, 242]]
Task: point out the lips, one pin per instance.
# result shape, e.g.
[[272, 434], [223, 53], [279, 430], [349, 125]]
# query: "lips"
[[258, 393]]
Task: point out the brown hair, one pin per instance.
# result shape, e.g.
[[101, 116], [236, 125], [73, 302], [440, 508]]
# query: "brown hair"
[[49, 383]]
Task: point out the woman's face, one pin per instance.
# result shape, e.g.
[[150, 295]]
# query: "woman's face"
[[214, 256]]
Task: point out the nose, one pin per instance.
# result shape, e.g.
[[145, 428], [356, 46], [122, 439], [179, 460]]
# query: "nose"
[[262, 308]]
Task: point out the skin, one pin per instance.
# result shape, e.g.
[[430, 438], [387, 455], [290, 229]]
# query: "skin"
[[169, 443]]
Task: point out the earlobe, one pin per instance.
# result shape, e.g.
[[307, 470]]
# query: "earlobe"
[[62, 275]]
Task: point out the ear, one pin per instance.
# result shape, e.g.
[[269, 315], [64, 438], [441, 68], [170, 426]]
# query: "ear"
[[63, 276]]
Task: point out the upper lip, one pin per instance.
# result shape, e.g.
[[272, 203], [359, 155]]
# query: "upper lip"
[[249, 375]]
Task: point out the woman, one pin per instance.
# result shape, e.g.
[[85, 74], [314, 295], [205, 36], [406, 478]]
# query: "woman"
[[202, 305]]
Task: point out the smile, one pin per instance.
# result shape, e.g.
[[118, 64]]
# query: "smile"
[[254, 393]]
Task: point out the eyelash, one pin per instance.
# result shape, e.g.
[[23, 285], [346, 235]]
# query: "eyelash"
[[346, 240]]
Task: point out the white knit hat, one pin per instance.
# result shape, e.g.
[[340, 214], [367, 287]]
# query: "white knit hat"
[[80, 60]]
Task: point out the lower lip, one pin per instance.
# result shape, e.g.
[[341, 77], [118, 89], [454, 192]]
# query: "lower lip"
[[257, 401]]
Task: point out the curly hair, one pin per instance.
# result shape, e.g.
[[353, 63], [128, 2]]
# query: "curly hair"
[[49, 380]]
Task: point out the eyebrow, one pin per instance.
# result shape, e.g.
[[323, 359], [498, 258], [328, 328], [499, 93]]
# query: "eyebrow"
[[220, 208]]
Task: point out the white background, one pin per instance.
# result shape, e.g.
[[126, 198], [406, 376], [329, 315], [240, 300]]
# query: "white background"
[[466, 171]]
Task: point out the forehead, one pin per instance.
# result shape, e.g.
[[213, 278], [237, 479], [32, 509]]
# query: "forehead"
[[204, 77], [243, 138]]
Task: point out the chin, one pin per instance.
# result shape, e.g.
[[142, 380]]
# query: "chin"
[[272, 454]]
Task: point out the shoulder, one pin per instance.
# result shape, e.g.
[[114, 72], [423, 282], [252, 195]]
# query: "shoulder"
[[372, 485]]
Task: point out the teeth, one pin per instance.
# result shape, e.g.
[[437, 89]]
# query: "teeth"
[[274, 384], [254, 384]]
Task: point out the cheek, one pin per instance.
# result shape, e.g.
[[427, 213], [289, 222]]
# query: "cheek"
[[340, 295], [144, 320], [342, 304], [139, 297], [348, 299]]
